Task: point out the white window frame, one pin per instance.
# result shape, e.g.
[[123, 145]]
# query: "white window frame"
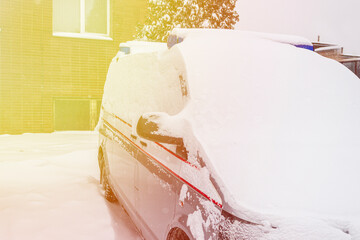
[[83, 33]]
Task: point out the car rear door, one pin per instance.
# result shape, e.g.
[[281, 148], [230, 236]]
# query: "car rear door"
[[122, 162]]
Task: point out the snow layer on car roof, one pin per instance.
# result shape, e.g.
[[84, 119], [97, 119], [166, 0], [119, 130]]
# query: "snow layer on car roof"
[[181, 34], [279, 124]]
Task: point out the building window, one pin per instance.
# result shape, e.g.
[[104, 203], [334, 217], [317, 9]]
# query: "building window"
[[81, 18]]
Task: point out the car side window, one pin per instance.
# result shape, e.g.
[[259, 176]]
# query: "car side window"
[[142, 83]]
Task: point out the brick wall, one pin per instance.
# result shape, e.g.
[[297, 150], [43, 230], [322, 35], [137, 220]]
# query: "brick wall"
[[36, 67]]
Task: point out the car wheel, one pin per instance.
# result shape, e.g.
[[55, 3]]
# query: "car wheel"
[[109, 194], [177, 234]]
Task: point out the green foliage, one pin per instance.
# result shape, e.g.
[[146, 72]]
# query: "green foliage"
[[164, 15]]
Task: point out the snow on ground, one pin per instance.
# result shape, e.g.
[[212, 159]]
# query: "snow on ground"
[[49, 189]]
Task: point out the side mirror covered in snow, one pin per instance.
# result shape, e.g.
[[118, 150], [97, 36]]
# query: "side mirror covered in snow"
[[152, 127]]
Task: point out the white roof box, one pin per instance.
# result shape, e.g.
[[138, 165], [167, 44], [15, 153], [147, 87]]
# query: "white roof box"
[[132, 47]]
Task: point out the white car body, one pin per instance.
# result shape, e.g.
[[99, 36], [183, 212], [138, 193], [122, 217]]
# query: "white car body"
[[271, 133]]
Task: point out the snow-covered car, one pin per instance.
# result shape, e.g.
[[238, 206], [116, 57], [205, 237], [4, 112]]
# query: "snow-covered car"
[[233, 135]]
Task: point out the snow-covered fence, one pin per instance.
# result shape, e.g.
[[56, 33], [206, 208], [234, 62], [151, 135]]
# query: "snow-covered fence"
[[336, 52]]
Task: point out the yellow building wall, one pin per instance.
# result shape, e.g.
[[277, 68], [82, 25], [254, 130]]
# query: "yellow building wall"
[[36, 68]]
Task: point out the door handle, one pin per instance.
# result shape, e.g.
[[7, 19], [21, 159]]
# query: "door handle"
[[144, 144]]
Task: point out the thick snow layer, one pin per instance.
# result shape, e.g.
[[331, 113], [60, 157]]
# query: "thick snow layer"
[[183, 193], [210, 33], [279, 124], [284, 121], [49, 189], [194, 222], [143, 82]]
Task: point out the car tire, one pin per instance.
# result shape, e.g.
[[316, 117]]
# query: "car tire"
[[177, 234], [108, 192]]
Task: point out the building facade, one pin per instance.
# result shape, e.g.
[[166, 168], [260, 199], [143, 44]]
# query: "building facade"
[[54, 56]]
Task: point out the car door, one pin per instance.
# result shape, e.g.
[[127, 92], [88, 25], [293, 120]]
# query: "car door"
[[157, 188], [122, 163]]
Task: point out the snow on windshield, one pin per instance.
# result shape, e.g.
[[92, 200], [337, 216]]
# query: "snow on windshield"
[[279, 124]]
